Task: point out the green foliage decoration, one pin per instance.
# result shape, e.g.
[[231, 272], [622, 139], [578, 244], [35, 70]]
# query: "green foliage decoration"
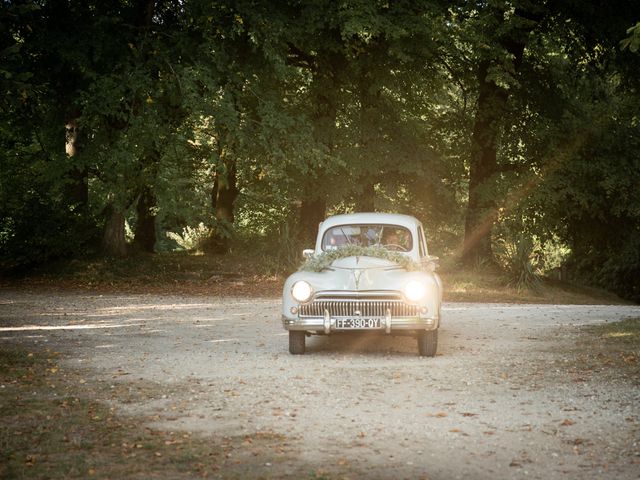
[[320, 262]]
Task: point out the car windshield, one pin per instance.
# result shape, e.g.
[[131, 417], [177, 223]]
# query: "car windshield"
[[392, 237]]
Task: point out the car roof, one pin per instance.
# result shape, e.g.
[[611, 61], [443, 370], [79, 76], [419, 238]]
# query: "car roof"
[[370, 218]]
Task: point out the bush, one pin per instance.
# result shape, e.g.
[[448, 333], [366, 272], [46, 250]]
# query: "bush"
[[521, 262], [192, 239], [39, 231], [613, 265]]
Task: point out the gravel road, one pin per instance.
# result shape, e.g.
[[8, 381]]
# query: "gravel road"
[[502, 399]]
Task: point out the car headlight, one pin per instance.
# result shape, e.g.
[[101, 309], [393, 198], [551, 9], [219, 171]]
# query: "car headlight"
[[415, 290], [301, 291]]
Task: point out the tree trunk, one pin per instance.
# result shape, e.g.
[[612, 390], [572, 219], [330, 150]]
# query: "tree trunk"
[[77, 188], [312, 212], [227, 193], [144, 11], [113, 240], [313, 207], [369, 95], [366, 200], [223, 198], [145, 238], [482, 207]]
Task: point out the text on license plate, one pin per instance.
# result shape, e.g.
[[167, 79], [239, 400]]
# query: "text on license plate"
[[357, 323]]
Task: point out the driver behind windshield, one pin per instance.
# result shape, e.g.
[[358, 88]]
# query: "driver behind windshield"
[[393, 236]]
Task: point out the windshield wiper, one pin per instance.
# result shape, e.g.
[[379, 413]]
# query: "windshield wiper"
[[345, 236]]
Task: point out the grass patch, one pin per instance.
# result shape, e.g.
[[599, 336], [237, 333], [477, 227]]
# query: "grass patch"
[[491, 285], [611, 348], [54, 424], [624, 333], [251, 275], [234, 274]]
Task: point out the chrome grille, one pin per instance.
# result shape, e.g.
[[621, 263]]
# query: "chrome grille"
[[359, 308]]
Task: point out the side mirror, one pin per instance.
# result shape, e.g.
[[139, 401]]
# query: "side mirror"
[[307, 252]]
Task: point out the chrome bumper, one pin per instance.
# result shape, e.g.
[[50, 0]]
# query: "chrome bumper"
[[327, 323]]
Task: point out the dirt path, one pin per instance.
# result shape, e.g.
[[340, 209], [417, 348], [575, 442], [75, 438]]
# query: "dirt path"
[[501, 400]]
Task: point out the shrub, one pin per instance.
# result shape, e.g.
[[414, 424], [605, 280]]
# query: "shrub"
[[38, 231], [191, 239], [521, 262]]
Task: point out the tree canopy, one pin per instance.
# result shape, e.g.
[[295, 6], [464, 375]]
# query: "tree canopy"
[[156, 125]]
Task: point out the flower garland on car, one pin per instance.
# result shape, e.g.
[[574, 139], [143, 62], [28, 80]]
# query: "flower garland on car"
[[319, 262]]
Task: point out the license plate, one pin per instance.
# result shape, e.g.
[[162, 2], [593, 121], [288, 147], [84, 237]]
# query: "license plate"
[[357, 323]]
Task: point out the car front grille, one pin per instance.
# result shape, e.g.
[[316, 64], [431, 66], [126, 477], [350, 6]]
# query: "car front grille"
[[358, 308]]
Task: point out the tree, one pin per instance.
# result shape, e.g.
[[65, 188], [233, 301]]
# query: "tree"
[[507, 29]]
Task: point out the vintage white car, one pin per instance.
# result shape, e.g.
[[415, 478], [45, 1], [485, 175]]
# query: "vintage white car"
[[369, 271]]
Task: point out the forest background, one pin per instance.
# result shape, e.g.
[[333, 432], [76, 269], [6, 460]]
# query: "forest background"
[[510, 128]]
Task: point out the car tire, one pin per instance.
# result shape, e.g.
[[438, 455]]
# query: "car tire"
[[296, 342], [428, 343]]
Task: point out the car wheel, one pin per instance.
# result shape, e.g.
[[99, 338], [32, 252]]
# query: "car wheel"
[[296, 342], [428, 343]]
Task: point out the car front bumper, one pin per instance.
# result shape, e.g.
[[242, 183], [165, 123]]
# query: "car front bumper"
[[327, 324]]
